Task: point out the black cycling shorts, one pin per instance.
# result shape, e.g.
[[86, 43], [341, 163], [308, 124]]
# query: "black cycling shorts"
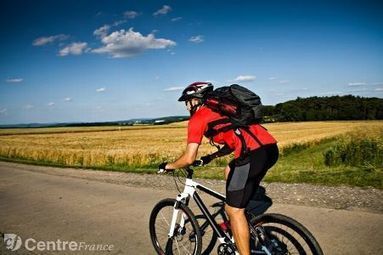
[[246, 174]]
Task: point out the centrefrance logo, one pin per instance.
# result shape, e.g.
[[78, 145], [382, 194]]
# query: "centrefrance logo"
[[14, 242]]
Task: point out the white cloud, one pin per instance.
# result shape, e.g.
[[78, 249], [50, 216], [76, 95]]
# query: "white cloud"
[[197, 39], [379, 89], [3, 111], [131, 14], [284, 81], [67, 99], [245, 78], [51, 104], [102, 31], [163, 11], [28, 106], [174, 89], [74, 49], [14, 80], [357, 84], [176, 19], [272, 78], [119, 22], [49, 39], [125, 44], [100, 89]]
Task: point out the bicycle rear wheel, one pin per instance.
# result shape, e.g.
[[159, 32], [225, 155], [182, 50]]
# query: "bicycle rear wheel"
[[280, 234], [186, 240]]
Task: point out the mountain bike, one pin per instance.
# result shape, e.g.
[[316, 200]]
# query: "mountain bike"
[[174, 229]]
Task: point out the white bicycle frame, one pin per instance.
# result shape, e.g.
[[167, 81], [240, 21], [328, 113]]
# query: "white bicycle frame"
[[188, 192]]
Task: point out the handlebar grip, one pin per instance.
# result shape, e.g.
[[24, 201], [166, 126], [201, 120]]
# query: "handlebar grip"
[[198, 162]]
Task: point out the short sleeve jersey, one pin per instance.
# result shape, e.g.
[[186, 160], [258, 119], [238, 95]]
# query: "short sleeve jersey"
[[198, 125]]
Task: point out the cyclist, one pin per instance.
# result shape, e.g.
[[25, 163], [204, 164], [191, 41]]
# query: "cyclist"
[[244, 173]]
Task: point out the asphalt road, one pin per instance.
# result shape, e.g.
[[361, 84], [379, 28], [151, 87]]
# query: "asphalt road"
[[49, 207]]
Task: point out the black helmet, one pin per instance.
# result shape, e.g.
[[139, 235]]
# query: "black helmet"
[[196, 90]]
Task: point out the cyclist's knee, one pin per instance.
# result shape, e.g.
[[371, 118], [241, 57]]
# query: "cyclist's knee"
[[230, 210]]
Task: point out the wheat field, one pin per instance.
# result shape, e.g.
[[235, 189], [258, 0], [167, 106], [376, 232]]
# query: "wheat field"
[[143, 146]]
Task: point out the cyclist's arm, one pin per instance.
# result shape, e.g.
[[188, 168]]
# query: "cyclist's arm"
[[225, 150], [187, 158]]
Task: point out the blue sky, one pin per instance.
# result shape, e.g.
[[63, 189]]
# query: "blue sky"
[[112, 60]]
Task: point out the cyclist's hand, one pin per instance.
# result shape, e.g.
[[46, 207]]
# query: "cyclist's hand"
[[206, 159], [161, 168]]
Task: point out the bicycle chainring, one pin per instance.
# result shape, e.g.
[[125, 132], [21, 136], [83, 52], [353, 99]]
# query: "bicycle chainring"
[[225, 249]]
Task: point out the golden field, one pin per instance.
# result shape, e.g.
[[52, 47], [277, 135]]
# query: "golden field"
[[141, 146]]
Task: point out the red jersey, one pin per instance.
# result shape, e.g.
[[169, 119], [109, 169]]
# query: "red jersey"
[[198, 125]]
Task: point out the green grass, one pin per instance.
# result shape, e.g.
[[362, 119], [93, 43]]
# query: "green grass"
[[302, 163], [306, 164], [309, 166]]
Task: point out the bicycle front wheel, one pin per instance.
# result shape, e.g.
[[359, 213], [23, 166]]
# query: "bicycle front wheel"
[[279, 234], [186, 239]]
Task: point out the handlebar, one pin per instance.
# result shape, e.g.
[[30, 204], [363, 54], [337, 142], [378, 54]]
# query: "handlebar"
[[198, 162]]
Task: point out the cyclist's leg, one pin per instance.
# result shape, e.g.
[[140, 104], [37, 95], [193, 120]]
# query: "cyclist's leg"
[[240, 228], [239, 188], [227, 171]]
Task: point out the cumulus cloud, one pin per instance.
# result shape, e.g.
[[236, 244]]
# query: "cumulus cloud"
[[196, 39], [51, 104], [100, 89], [3, 111], [174, 89], [67, 99], [176, 19], [131, 14], [163, 11], [245, 78], [14, 80], [76, 48], [125, 44], [28, 106], [102, 31], [49, 39]]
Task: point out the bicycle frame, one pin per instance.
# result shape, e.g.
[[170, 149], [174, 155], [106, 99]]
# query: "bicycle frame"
[[188, 192]]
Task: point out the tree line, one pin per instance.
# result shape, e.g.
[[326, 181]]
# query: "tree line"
[[326, 108]]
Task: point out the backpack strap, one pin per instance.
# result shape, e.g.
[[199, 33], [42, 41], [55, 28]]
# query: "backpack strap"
[[244, 149], [253, 136], [213, 131]]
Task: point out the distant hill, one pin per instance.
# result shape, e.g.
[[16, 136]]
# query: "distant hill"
[[131, 122], [301, 109], [326, 108]]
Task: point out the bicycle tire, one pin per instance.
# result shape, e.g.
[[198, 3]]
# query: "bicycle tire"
[[194, 236], [276, 225]]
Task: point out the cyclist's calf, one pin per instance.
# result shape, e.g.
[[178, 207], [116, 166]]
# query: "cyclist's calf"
[[240, 228]]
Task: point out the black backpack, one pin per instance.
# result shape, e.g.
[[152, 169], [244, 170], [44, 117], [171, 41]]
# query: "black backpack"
[[240, 108]]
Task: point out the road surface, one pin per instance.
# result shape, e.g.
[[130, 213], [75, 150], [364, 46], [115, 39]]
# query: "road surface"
[[49, 207]]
